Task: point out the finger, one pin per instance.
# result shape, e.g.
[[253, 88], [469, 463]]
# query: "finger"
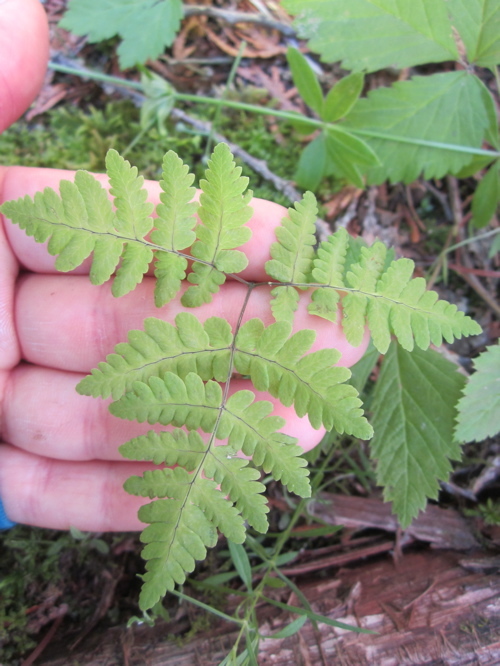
[[68, 323], [44, 415], [59, 495], [16, 182], [24, 51]]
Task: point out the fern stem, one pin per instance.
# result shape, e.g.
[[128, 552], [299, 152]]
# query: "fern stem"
[[206, 607], [261, 110]]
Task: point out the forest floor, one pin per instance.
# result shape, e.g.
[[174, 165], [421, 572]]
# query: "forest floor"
[[432, 591]]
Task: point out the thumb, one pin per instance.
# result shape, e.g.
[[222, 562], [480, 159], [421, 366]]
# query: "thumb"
[[24, 51]]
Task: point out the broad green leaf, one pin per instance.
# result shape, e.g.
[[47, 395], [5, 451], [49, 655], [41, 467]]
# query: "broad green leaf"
[[478, 24], [312, 162], [439, 109], [223, 212], [375, 34], [305, 79], [479, 407], [413, 418], [342, 97], [145, 26], [486, 197]]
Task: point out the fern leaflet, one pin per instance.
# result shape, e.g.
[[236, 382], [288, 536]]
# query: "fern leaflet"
[[383, 297], [292, 256], [223, 212]]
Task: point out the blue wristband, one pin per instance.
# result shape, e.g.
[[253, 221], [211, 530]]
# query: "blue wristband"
[[5, 523]]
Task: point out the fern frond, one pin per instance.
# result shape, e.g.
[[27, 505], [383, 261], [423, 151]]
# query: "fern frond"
[[176, 447], [244, 422], [223, 211], [278, 363], [81, 221], [384, 296], [187, 449], [179, 530], [241, 483], [189, 346], [292, 256], [174, 227], [329, 269]]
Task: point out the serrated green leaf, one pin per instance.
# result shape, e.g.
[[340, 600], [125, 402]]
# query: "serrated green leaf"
[[443, 108], [329, 270], [312, 162], [342, 97], [223, 211], [479, 407], [478, 24], [375, 34], [145, 26], [486, 197], [305, 79], [413, 418]]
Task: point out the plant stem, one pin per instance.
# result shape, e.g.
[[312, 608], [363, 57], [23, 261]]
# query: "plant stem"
[[285, 115]]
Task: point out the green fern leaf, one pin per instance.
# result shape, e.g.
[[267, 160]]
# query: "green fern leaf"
[[247, 425], [82, 221], [240, 482], [177, 447], [328, 269], [384, 296], [278, 363], [187, 347], [479, 407], [174, 227], [292, 255], [179, 531], [223, 211], [133, 220]]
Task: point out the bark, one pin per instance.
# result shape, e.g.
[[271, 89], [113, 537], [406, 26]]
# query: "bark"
[[428, 607]]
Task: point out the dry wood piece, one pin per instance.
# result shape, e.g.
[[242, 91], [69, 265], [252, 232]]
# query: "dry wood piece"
[[443, 528], [427, 609]]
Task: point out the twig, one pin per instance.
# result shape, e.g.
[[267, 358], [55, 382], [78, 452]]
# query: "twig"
[[29, 661], [238, 17], [470, 278]]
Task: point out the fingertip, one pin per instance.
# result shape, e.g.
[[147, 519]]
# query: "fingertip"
[[24, 52]]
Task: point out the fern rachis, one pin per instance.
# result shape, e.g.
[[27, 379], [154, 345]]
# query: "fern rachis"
[[180, 375]]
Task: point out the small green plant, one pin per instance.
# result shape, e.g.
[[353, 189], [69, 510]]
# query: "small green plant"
[[180, 375], [430, 125]]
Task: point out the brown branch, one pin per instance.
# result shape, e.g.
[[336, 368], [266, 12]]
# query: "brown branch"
[[238, 17]]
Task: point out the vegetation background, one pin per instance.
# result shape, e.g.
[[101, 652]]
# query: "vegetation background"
[[55, 589]]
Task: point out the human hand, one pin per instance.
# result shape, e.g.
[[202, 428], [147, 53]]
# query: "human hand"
[[59, 461]]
